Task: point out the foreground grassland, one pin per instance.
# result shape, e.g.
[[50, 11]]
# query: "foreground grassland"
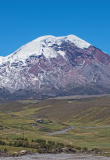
[[34, 119]]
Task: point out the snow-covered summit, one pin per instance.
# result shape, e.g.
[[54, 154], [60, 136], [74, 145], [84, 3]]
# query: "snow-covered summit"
[[72, 38], [78, 42], [43, 45]]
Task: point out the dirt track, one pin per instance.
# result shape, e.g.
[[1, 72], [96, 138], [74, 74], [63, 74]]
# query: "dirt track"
[[72, 127], [57, 157]]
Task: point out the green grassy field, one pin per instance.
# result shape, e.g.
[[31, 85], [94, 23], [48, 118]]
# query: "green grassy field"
[[20, 117]]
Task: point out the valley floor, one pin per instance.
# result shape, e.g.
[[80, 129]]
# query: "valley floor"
[[90, 118]]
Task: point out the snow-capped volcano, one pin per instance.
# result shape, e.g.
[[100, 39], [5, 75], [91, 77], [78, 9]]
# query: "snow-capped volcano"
[[43, 46], [52, 66]]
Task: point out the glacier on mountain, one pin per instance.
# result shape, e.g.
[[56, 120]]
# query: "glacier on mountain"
[[43, 45]]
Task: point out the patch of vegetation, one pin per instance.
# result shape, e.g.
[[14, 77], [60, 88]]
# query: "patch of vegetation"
[[2, 142], [44, 146], [18, 121]]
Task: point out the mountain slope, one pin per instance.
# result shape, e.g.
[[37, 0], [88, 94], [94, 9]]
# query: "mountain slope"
[[52, 66]]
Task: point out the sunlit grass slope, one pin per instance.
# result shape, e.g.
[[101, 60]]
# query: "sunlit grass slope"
[[21, 117]]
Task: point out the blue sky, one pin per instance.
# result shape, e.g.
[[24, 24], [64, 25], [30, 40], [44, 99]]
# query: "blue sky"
[[21, 21]]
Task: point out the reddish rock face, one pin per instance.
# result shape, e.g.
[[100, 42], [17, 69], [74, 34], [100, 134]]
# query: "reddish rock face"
[[78, 71]]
